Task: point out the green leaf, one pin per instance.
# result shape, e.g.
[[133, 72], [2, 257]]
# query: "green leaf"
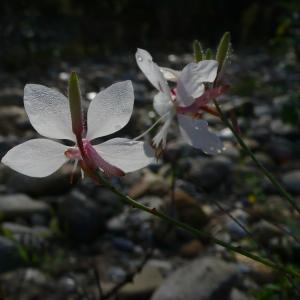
[[198, 51], [223, 50], [75, 104], [208, 54]]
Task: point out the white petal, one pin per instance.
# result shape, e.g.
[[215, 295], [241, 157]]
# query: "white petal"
[[170, 74], [183, 96], [48, 111], [162, 103], [152, 71], [196, 134], [36, 158], [190, 82], [207, 70], [128, 155], [110, 110]]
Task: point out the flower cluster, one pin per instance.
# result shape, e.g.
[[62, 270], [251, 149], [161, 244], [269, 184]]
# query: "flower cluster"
[[185, 101], [54, 116], [49, 113]]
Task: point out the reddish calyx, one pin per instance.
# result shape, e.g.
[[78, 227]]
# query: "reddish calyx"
[[201, 102], [90, 160], [94, 160]]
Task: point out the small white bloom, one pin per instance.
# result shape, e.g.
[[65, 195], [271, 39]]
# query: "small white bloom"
[[49, 113], [190, 85]]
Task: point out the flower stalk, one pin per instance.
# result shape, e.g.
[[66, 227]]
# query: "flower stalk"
[[270, 176], [194, 231]]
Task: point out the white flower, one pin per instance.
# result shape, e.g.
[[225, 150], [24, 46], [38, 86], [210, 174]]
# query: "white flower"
[[190, 92], [49, 113]]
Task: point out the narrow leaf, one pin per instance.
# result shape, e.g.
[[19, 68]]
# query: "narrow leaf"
[[208, 54], [223, 50], [198, 51], [75, 105]]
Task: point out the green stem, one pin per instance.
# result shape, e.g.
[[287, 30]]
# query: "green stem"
[[194, 231], [274, 181], [234, 219]]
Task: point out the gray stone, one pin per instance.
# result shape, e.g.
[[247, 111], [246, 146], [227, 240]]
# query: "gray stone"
[[207, 278], [19, 231], [67, 284], [291, 180], [265, 231], [235, 230], [281, 149], [262, 110], [11, 96], [35, 276], [238, 295], [80, 218], [281, 128], [143, 285], [55, 184], [13, 120], [208, 173], [20, 205], [10, 258]]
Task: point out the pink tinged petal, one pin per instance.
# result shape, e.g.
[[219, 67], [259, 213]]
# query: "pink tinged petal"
[[189, 85], [128, 155], [203, 100], [207, 70], [162, 103], [190, 82], [152, 71], [48, 111], [36, 158], [160, 139], [110, 110], [196, 133], [95, 160], [75, 105], [170, 74]]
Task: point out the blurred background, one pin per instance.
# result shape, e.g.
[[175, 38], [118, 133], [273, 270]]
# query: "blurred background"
[[78, 241], [36, 32]]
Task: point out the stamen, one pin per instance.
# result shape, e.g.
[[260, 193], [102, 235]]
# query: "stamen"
[[150, 128]]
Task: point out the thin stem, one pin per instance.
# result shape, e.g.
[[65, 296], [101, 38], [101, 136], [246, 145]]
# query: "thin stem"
[[129, 277], [234, 219], [98, 282], [274, 181], [285, 231], [280, 227], [194, 231]]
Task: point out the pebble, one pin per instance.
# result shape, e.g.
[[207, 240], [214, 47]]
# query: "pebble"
[[206, 278], [143, 285], [55, 184], [209, 174], [291, 181], [80, 218], [10, 257], [21, 205]]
